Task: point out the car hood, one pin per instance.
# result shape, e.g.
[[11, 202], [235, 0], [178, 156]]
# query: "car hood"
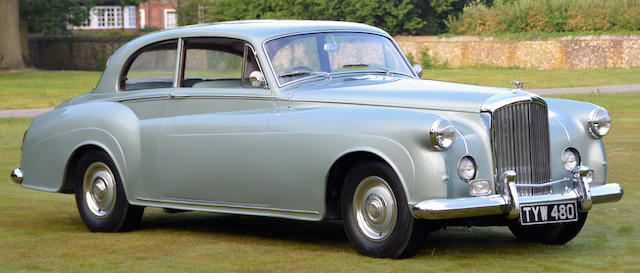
[[403, 92]]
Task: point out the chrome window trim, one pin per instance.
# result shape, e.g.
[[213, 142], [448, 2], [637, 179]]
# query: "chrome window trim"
[[131, 58], [179, 64], [275, 75]]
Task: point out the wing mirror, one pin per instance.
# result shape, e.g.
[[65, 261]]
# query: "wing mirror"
[[417, 69], [257, 79]]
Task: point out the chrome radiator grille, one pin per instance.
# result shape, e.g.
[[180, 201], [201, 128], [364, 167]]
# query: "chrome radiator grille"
[[520, 135]]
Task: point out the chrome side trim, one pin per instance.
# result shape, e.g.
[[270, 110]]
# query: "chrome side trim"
[[372, 104], [203, 203], [566, 132], [148, 97], [202, 96]]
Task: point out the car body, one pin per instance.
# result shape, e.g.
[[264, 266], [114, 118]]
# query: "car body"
[[316, 120]]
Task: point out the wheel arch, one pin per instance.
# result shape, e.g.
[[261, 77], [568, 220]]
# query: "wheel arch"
[[338, 172], [72, 162]]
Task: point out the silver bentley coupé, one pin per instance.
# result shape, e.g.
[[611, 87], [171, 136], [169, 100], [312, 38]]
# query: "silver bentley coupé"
[[316, 120]]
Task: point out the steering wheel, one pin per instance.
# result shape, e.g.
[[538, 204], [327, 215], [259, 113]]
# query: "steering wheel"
[[298, 68]]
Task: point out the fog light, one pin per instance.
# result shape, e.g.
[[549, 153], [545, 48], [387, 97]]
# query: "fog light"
[[479, 187], [570, 159], [467, 168]]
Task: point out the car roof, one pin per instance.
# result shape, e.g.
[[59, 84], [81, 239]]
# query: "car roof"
[[252, 31], [265, 29]]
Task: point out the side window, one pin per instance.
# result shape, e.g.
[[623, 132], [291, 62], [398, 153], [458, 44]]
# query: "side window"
[[213, 63], [152, 67]]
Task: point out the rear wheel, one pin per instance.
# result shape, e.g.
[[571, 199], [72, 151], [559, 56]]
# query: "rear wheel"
[[100, 196], [553, 234], [376, 214]]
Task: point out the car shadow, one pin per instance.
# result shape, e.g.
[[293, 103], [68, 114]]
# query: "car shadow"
[[325, 232], [448, 240]]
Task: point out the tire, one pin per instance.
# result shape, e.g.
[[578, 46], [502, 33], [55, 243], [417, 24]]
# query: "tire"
[[100, 196], [376, 215], [552, 234]]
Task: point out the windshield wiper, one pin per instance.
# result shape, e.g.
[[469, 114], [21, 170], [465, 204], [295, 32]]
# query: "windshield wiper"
[[303, 73], [361, 65]]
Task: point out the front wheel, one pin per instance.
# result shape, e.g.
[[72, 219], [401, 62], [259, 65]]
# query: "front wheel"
[[376, 214], [100, 196], [553, 234]]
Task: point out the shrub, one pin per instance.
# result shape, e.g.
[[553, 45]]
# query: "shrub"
[[429, 62], [547, 16]]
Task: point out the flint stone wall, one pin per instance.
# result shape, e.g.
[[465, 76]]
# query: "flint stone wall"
[[603, 51]]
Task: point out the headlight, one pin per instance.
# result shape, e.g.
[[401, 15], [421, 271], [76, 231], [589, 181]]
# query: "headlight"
[[442, 134], [599, 122], [570, 159], [467, 168]]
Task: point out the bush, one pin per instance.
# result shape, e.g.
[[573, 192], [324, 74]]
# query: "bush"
[[429, 62], [547, 16]]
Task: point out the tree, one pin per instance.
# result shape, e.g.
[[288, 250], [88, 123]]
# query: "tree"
[[54, 16], [394, 16], [10, 49]]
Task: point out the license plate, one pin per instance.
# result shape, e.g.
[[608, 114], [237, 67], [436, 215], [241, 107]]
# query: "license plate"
[[545, 213]]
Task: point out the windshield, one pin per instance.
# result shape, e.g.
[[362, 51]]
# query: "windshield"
[[318, 54]]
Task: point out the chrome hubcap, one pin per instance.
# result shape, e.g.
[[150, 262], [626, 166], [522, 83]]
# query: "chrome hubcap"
[[374, 208], [99, 189]]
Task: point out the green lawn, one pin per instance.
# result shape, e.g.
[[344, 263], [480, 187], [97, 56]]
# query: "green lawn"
[[502, 77], [39, 88], [35, 89], [43, 232]]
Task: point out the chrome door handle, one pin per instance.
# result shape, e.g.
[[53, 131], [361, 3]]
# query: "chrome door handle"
[[178, 96]]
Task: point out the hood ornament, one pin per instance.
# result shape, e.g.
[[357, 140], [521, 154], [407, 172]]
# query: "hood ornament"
[[518, 84]]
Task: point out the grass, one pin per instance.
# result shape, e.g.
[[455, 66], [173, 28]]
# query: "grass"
[[502, 77], [36, 89], [43, 232]]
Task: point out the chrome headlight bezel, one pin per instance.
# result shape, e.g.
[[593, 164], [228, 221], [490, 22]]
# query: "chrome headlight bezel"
[[577, 160], [599, 122], [442, 134]]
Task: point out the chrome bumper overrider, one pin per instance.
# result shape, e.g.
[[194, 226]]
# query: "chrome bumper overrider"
[[16, 175], [508, 202]]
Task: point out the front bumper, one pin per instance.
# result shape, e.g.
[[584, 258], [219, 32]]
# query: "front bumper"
[[508, 202], [16, 175]]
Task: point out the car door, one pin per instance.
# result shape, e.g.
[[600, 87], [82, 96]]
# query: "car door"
[[211, 150], [145, 85]]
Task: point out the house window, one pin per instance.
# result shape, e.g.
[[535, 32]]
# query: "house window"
[[110, 17], [143, 21], [170, 18]]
